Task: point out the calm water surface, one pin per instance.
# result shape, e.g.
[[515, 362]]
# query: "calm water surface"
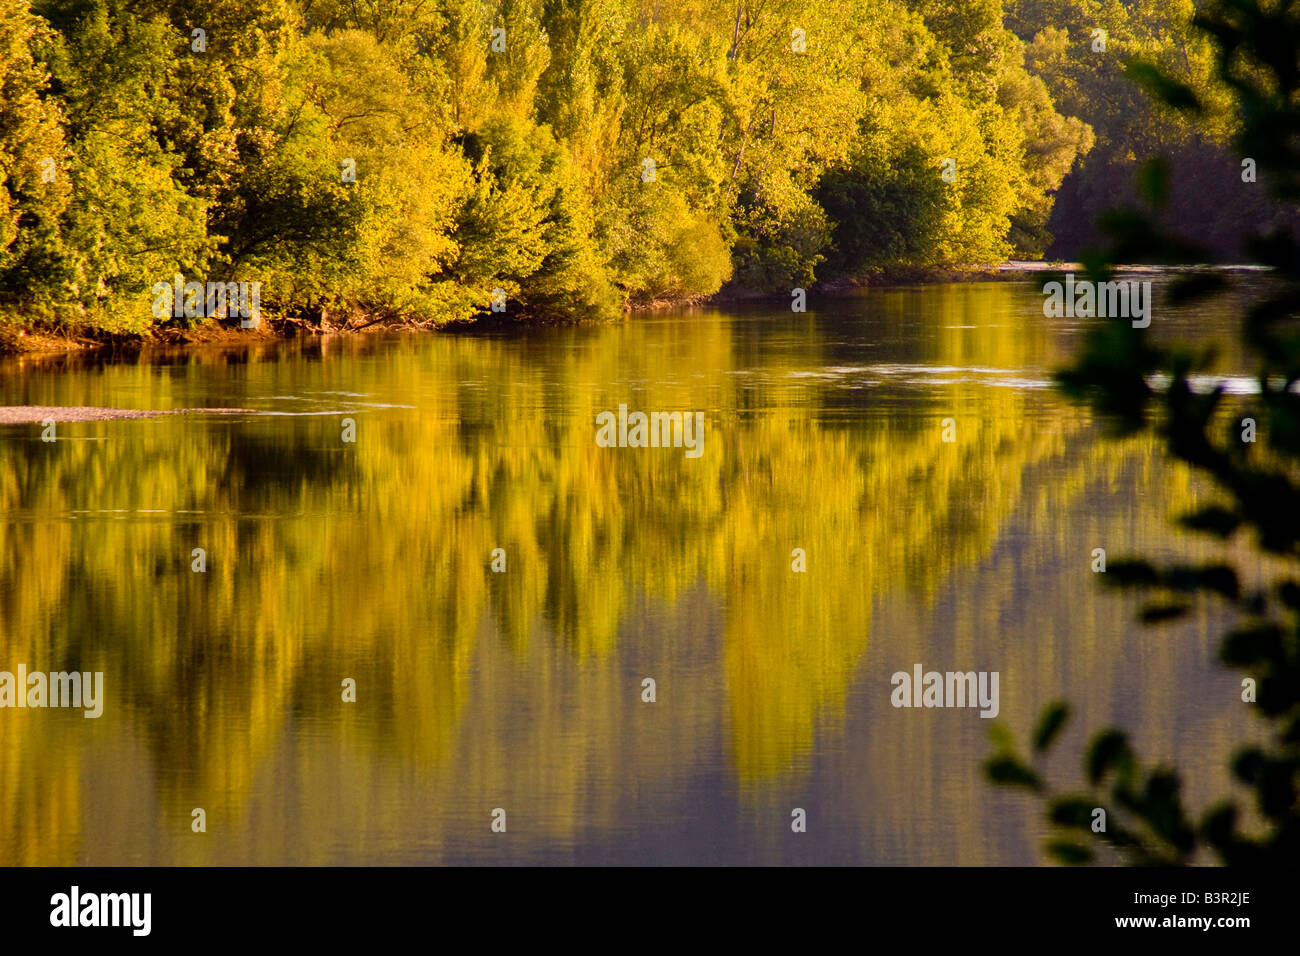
[[329, 560]]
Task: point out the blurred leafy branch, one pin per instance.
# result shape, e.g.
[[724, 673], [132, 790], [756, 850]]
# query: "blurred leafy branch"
[[1138, 384]]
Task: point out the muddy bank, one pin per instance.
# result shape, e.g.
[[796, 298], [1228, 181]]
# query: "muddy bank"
[[18, 341]]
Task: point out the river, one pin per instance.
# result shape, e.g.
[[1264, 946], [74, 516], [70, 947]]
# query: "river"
[[372, 567]]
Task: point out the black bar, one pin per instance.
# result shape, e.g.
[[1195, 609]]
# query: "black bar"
[[1049, 907]]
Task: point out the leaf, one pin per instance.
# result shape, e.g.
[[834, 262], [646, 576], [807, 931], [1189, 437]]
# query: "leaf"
[[1007, 770], [1219, 826], [1050, 724], [1109, 750], [1129, 573], [1248, 764], [1221, 579], [1212, 520], [1251, 645], [1289, 593], [1158, 612], [1072, 812], [1069, 852], [1165, 88]]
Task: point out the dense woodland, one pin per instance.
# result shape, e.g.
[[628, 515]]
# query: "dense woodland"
[[404, 160]]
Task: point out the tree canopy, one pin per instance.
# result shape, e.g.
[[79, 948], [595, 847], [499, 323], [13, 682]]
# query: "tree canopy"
[[429, 161]]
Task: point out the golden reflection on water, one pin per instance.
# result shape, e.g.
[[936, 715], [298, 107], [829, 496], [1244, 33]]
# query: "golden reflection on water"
[[522, 690]]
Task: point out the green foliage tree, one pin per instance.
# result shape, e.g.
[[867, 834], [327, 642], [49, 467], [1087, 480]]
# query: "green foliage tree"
[[34, 182], [130, 221], [402, 161]]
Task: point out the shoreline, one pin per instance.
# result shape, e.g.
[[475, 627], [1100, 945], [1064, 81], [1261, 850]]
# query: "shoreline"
[[17, 341]]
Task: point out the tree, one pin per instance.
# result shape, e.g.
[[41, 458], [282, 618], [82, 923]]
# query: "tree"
[[129, 221], [34, 181]]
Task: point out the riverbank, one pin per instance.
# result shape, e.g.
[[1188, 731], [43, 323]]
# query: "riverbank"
[[16, 339]]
